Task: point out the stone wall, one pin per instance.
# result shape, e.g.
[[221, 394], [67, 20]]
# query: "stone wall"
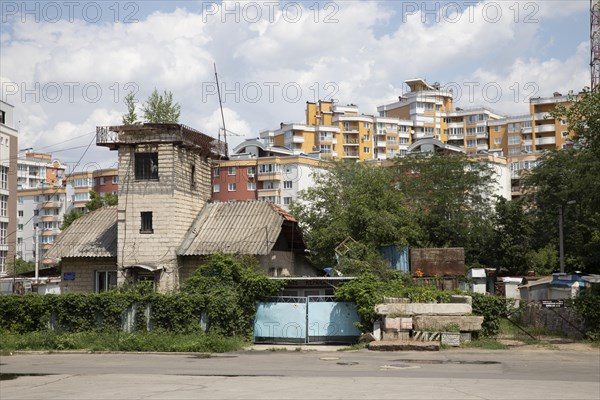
[[85, 272]]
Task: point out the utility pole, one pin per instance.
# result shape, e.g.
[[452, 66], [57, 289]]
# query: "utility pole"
[[595, 44], [37, 253], [561, 246]]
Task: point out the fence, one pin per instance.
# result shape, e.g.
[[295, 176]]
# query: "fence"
[[552, 316]]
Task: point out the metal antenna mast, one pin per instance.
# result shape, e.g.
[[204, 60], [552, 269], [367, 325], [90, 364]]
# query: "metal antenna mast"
[[221, 106], [595, 44]]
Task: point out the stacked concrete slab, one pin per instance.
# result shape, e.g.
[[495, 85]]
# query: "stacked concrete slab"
[[402, 320]]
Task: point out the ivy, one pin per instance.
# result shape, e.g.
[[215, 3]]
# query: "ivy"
[[587, 306]]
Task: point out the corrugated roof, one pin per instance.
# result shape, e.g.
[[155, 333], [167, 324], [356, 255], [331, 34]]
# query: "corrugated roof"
[[93, 235], [240, 227]]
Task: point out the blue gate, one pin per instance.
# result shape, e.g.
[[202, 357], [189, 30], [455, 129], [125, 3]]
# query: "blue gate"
[[312, 319]]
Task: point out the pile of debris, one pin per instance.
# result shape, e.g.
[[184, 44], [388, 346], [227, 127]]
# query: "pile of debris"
[[423, 326]]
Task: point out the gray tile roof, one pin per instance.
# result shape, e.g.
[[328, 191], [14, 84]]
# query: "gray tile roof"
[[245, 227], [93, 235]]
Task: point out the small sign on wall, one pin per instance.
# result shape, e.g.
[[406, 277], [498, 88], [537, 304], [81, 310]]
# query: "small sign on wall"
[[69, 276]]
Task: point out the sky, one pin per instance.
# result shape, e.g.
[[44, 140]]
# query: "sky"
[[67, 66]]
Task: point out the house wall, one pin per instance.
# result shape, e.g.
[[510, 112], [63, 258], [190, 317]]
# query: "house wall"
[[172, 199], [84, 269]]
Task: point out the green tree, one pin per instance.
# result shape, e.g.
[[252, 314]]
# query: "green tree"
[[131, 117], [69, 218], [97, 201], [452, 198], [160, 109], [353, 200], [512, 236], [568, 180]]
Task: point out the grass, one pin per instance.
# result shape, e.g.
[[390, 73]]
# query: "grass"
[[357, 346], [120, 341], [486, 343]]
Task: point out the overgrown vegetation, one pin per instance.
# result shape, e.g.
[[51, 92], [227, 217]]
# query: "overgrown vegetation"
[[225, 287], [161, 341], [587, 306]]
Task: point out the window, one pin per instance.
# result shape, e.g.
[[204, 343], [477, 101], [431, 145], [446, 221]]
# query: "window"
[[251, 171], [105, 280], [115, 179], [146, 217], [514, 151], [497, 141], [563, 122], [4, 206], [20, 227], [3, 231], [20, 213], [287, 184], [564, 134], [82, 182], [102, 180], [471, 143], [497, 129], [366, 150], [216, 172], [231, 187], [251, 186], [146, 166], [514, 139], [3, 177], [231, 170], [287, 201], [193, 176], [216, 188]]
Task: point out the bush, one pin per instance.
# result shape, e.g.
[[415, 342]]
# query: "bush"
[[493, 309], [587, 306]]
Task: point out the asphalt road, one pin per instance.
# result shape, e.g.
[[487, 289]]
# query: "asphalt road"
[[463, 374]]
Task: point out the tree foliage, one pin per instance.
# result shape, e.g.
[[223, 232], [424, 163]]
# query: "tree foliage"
[[353, 200], [97, 201], [571, 175], [452, 198], [131, 117], [160, 109], [69, 218]]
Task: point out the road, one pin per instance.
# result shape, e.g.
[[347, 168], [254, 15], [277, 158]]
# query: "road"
[[460, 374]]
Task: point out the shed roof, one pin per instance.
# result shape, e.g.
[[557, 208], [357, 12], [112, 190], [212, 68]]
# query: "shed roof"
[[92, 235], [240, 227]]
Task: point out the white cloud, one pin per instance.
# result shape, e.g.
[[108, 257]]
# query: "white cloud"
[[363, 58]]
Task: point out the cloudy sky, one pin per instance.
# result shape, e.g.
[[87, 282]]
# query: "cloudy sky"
[[66, 66]]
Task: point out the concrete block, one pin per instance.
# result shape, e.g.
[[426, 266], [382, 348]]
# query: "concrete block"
[[410, 309], [439, 322], [397, 324], [451, 339], [396, 300], [377, 330], [400, 345], [465, 337], [396, 335], [461, 299]]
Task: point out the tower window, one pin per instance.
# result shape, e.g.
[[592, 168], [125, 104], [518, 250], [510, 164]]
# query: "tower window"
[[193, 176], [146, 166], [146, 222]]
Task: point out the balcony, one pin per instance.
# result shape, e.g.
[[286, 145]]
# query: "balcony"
[[380, 143], [482, 147], [528, 142], [268, 192], [298, 139], [541, 116], [51, 204], [455, 125], [49, 218], [544, 128], [350, 154], [545, 140], [526, 130], [456, 137], [351, 142], [271, 176], [483, 135]]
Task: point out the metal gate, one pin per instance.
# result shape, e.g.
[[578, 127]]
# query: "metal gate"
[[312, 319]]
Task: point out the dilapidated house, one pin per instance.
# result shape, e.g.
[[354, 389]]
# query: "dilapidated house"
[[164, 226]]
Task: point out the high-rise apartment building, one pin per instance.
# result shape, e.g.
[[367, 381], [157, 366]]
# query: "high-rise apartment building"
[[8, 186]]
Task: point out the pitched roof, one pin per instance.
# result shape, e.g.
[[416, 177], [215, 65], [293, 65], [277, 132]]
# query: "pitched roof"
[[93, 235], [248, 227]]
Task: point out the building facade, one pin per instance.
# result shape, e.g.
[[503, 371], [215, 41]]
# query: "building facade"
[[8, 186]]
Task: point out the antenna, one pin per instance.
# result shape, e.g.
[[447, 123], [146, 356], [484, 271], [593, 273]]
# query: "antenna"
[[221, 106]]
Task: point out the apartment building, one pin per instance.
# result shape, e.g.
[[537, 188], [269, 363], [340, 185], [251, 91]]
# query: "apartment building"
[[259, 172], [40, 215], [106, 181], [8, 185], [37, 170], [79, 186], [340, 132]]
